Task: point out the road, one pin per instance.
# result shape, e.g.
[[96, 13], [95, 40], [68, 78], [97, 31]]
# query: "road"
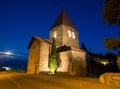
[[14, 80]]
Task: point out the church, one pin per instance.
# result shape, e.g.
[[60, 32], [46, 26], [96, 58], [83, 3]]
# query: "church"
[[72, 59]]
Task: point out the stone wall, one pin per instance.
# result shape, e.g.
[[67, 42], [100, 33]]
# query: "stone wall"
[[33, 59], [62, 36], [64, 58], [110, 78], [78, 64], [59, 31], [44, 57], [73, 62], [70, 41]]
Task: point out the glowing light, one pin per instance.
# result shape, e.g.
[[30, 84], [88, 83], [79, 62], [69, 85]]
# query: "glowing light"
[[7, 68], [69, 33], [8, 53], [104, 62], [73, 35], [55, 34]]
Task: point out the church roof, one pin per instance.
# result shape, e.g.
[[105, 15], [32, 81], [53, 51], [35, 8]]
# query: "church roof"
[[63, 18], [41, 40], [69, 48]]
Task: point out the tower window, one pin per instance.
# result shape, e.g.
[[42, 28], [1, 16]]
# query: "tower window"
[[69, 33], [55, 34], [73, 35]]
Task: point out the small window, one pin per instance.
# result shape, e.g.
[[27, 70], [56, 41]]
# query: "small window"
[[55, 34], [73, 35], [69, 33]]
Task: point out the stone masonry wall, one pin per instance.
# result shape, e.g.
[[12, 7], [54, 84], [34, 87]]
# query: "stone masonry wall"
[[44, 57], [59, 31], [69, 41], [62, 36], [78, 64], [33, 59], [110, 78], [64, 61]]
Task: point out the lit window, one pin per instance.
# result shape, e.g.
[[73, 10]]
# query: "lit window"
[[69, 33], [73, 35], [55, 34]]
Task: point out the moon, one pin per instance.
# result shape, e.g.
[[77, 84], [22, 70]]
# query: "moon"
[[8, 53]]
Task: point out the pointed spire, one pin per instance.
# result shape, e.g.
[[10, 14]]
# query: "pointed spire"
[[63, 18]]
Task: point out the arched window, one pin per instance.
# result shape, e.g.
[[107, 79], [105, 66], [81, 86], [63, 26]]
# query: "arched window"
[[69, 33], [73, 35], [55, 34]]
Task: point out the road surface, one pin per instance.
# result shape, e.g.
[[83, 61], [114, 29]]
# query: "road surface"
[[12, 80]]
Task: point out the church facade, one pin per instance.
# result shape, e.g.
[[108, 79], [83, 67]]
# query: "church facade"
[[72, 59]]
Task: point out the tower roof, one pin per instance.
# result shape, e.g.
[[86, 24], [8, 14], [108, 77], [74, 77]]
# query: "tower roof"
[[63, 18]]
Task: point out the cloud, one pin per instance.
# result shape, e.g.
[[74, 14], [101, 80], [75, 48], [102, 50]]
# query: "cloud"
[[12, 55]]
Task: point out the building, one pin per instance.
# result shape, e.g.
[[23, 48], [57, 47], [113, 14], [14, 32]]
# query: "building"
[[72, 59]]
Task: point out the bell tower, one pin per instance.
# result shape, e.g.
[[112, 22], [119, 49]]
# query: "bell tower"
[[64, 31]]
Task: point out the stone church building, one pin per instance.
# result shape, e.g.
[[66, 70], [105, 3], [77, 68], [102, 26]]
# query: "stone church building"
[[72, 59]]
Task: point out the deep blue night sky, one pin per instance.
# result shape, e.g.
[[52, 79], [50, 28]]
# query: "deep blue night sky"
[[22, 19]]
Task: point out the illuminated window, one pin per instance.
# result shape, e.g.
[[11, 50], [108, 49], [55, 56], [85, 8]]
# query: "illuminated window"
[[55, 34], [69, 33], [73, 35]]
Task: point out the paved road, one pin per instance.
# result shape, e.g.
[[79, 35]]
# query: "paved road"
[[43, 81]]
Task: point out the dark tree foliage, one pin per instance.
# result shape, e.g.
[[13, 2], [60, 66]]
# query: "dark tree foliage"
[[83, 47], [112, 43], [110, 55], [111, 12]]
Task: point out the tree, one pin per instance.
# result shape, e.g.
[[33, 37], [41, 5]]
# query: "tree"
[[112, 43], [111, 12], [83, 47], [53, 58]]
